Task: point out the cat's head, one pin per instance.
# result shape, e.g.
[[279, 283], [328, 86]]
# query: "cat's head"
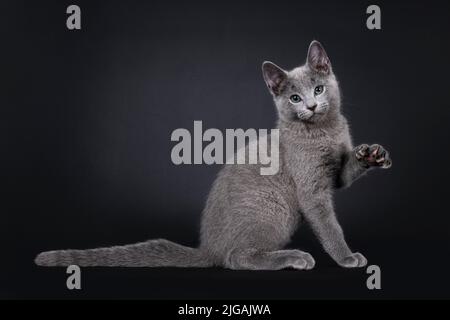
[[309, 93]]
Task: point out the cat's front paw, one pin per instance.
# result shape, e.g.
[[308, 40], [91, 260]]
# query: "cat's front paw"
[[373, 156], [355, 260]]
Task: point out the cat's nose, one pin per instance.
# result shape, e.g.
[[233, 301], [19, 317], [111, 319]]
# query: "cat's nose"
[[312, 107]]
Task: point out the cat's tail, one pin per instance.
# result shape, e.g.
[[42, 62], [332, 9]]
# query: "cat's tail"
[[152, 253]]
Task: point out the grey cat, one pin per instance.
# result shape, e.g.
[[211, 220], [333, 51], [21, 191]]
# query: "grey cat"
[[249, 218]]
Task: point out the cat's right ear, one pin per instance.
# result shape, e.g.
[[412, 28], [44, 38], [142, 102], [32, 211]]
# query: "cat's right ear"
[[275, 77]]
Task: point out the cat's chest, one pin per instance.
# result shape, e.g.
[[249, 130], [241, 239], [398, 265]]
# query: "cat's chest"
[[315, 160], [321, 150]]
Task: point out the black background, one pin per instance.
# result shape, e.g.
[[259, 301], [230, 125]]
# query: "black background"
[[86, 119]]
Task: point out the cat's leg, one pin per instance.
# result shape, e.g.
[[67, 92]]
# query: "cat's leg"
[[253, 259], [321, 216], [258, 226], [359, 160], [257, 243]]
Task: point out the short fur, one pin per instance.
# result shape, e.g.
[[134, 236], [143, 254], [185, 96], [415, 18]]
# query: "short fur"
[[249, 218]]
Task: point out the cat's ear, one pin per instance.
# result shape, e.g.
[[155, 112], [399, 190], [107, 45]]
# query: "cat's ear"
[[318, 59], [274, 76]]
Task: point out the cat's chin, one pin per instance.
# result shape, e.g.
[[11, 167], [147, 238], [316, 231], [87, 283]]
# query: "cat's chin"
[[296, 118], [314, 118]]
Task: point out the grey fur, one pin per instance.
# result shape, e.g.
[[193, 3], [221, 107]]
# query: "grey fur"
[[249, 218]]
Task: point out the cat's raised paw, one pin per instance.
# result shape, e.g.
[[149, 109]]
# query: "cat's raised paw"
[[355, 260], [373, 156]]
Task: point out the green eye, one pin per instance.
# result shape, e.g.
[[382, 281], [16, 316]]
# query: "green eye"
[[318, 90], [295, 98]]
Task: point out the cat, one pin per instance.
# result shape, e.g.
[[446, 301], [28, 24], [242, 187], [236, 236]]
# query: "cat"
[[249, 218]]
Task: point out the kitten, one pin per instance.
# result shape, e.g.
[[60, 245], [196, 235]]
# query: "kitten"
[[249, 218]]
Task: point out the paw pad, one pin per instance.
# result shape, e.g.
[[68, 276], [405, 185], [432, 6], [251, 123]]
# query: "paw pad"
[[373, 156]]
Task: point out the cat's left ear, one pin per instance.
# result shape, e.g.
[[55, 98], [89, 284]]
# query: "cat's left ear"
[[318, 59]]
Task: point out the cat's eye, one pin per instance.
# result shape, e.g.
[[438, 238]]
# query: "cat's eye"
[[295, 98], [318, 90]]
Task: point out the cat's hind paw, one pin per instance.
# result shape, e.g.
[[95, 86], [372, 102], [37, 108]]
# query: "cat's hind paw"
[[304, 262], [373, 156], [355, 260]]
